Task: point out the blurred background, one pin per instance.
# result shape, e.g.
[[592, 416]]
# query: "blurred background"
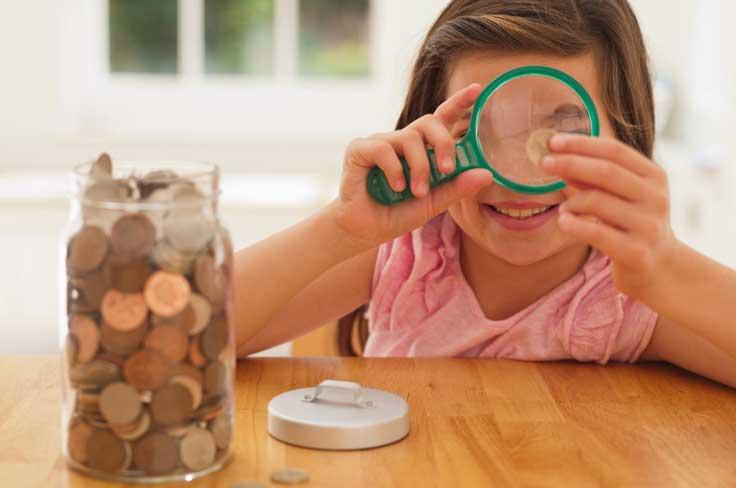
[[273, 90]]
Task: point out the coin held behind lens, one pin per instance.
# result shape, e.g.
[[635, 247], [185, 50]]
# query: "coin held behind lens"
[[537, 146]]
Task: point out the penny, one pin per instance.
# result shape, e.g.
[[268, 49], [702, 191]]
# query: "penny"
[[179, 430], [106, 452], [186, 369], [89, 401], [210, 281], [197, 449], [170, 341], [289, 476], [121, 343], [126, 274], [87, 251], [201, 313], [142, 426], [133, 235], [102, 167], [120, 403], [214, 338], [195, 352], [116, 359], [124, 311], [215, 378], [191, 384], [70, 350], [77, 440], [87, 334], [537, 146], [171, 404], [147, 370], [222, 430], [167, 294], [156, 453], [210, 409], [85, 293], [172, 260], [96, 373]]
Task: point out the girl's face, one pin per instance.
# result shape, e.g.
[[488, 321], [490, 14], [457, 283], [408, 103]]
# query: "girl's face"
[[518, 238]]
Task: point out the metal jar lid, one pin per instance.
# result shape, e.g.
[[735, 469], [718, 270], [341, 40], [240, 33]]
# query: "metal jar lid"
[[338, 415]]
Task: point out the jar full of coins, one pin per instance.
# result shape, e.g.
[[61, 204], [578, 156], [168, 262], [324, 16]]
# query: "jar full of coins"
[[147, 329]]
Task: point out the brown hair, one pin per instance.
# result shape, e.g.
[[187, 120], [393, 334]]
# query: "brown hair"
[[608, 28]]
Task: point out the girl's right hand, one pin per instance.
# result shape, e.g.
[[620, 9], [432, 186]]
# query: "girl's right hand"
[[370, 223]]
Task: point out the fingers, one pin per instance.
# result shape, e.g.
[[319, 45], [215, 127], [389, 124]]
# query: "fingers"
[[440, 138], [608, 208], [368, 153], [604, 148], [455, 107], [415, 154]]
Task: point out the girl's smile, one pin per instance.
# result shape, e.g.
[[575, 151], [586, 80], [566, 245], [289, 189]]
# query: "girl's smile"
[[520, 215]]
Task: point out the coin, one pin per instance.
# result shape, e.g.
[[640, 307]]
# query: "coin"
[[170, 341], [172, 260], [147, 370], [289, 476], [87, 334], [70, 350], [222, 430], [214, 338], [190, 226], [102, 167], [121, 343], [197, 449], [201, 313], [537, 146], [167, 294], [85, 293], [106, 452], [133, 235], [124, 311], [215, 378], [126, 274], [210, 409], [171, 404], [141, 427], [156, 453], [186, 369], [248, 484], [154, 181], [87, 251], [98, 199], [96, 373], [120, 403], [77, 440], [210, 281], [191, 384], [195, 352]]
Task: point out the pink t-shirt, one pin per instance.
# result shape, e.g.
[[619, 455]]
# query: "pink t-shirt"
[[422, 305]]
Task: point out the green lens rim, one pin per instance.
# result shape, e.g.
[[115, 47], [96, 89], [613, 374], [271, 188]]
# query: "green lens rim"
[[546, 71]]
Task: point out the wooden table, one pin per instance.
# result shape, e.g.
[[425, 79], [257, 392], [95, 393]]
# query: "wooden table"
[[473, 423]]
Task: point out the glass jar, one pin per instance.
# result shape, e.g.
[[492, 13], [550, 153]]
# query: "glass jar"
[[147, 327]]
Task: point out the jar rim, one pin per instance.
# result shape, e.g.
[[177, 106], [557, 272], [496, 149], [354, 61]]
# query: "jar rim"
[[201, 168]]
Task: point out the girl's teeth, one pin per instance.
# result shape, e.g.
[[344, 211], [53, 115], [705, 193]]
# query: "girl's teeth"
[[519, 213]]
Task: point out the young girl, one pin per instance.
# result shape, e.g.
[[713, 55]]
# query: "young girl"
[[464, 269]]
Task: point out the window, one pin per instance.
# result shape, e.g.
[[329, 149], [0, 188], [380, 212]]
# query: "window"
[[265, 38]]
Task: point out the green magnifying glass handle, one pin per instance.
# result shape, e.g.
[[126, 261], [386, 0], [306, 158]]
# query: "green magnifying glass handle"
[[381, 191]]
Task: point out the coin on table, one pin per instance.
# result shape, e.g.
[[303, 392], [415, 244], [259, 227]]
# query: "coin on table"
[[248, 484], [120, 403], [106, 452], [211, 281], [147, 370], [191, 384], [222, 430], [170, 341], [96, 374], [215, 378], [171, 404], [127, 274], [121, 343], [133, 235], [77, 440], [167, 294], [124, 311], [139, 429], [289, 476], [87, 334], [197, 449], [214, 338], [156, 453], [85, 293], [537, 146], [87, 251]]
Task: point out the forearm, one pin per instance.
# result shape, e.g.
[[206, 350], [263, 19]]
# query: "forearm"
[[270, 273], [698, 293]]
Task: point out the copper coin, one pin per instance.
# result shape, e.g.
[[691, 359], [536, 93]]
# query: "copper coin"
[[120, 403], [215, 378], [96, 373], [85, 293], [211, 408], [195, 352], [156, 453], [197, 449], [201, 313], [113, 358], [89, 401], [537, 146], [171, 341], [211, 281], [191, 384], [141, 427], [102, 167], [167, 294], [171, 404], [122, 343], [71, 347], [124, 311], [85, 330], [78, 437], [87, 251], [214, 338], [222, 430], [147, 370], [106, 452], [125, 274], [186, 369], [133, 235]]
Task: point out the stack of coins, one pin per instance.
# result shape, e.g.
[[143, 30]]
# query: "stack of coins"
[[149, 348]]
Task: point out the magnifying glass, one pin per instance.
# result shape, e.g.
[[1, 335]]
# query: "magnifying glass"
[[512, 121]]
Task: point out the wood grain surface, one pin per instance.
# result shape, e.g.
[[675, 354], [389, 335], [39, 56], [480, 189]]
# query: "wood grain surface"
[[474, 423]]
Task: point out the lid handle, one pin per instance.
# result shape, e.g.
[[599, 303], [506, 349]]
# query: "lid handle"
[[335, 390]]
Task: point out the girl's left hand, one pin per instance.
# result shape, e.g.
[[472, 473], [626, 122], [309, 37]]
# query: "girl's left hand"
[[628, 197]]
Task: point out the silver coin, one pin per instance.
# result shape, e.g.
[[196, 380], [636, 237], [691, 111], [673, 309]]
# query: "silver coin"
[[172, 260], [289, 476], [247, 484], [97, 195]]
